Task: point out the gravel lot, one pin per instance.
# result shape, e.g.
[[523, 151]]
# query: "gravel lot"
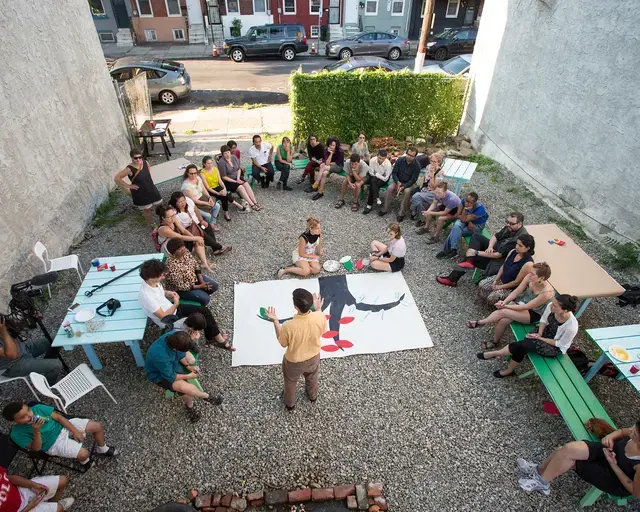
[[434, 425]]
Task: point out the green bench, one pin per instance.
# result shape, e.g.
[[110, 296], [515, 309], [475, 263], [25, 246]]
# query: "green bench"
[[301, 163], [571, 395]]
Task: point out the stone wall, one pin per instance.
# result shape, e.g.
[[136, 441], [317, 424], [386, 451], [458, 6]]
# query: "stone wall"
[[554, 98], [63, 135]]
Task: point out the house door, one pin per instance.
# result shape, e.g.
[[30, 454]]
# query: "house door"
[[351, 12], [417, 9], [214, 13], [120, 13], [334, 12], [468, 15]]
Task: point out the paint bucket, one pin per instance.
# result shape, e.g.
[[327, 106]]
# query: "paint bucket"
[[95, 262], [347, 263], [359, 264]]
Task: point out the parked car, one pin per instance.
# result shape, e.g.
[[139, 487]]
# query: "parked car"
[[284, 39], [456, 66], [386, 45], [363, 64], [453, 41], [167, 80]]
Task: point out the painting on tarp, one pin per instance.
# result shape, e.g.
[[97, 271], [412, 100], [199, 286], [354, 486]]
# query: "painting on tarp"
[[366, 314]]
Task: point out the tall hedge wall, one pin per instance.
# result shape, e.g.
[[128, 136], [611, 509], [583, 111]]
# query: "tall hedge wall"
[[399, 105]]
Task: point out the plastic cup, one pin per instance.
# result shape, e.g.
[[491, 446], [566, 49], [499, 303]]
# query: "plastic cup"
[[112, 266], [95, 262], [347, 263], [635, 368]]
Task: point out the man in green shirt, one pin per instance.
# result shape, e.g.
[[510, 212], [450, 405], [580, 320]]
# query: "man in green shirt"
[[42, 428]]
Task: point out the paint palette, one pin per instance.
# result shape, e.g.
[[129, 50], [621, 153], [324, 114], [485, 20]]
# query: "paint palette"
[[331, 266], [619, 353]]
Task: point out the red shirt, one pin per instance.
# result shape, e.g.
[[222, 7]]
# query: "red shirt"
[[10, 499]]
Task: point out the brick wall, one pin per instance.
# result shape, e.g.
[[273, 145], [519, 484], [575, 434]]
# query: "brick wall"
[[246, 7]]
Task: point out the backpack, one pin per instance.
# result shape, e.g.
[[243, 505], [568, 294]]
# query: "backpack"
[[156, 243], [579, 359], [631, 296]]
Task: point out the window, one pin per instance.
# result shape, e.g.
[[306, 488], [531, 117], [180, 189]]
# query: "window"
[[289, 6], [463, 35], [294, 32], [232, 6], [452, 8], [145, 9], [97, 9], [258, 33], [424, 6], [314, 7], [397, 7], [371, 8], [368, 37], [276, 33], [173, 8], [315, 31], [107, 37], [121, 75], [259, 6], [178, 34], [395, 31], [150, 34]]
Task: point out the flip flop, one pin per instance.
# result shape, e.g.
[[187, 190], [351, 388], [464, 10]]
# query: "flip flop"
[[472, 324], [355, 207], [226, 344], [225, 248], [339, 204]]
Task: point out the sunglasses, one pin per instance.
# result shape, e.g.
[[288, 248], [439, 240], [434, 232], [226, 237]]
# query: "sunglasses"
[[137, 157]]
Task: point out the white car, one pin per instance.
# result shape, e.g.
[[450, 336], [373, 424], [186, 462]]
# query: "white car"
[[456, 66]]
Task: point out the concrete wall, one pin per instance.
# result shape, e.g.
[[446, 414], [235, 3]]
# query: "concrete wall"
[[63, 136], [554, 98]]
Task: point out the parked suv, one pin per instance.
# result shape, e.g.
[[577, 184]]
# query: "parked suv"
[[452, 41], [284, 39]]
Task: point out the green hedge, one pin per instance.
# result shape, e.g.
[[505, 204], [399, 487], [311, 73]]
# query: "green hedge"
[[381, 104]]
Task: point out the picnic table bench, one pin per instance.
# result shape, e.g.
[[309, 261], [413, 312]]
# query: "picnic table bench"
[[460, 171], [300, 163], [571, 395]]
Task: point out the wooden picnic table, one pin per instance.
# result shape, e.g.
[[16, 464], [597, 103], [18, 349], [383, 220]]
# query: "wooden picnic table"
[[126, 325], [168, 171], [460, 171], [572, 270], [625, 336]]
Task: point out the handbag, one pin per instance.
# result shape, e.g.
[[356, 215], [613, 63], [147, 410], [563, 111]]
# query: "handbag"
[[112, 305]]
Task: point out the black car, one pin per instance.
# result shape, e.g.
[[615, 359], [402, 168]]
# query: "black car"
[[284, 39], [453, 41]]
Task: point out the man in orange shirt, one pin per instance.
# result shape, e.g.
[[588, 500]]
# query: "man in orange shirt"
[[301, 337]]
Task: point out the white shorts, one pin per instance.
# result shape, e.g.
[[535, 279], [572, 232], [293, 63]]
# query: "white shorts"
[[52, 482], [66, 446]]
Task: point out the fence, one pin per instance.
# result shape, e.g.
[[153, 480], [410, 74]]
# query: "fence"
[[135, 103]]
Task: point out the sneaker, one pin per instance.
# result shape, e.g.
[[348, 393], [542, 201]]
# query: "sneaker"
[[66, 503], [317, 195], [111, 452], [214, 400], [432, 240], [466, 265], [381, 213], [422, 231], [527, 468], [288, 189], [194, 415], [379, 202], [535, 484], [446, 281], [419, 223], [367, 209]]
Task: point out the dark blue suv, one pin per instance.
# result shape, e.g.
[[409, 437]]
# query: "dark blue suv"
[[284, 39]]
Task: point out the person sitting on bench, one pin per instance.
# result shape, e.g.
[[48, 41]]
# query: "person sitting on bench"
[[611, 464], [261, 154], [42, 428], [379, 174], [356, 176], [40, 494], [163, 366], [557, 329], [444, 207], [164, 307], [471, 218]]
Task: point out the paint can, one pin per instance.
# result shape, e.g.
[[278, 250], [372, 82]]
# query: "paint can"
[[95, 262], [347, 263]]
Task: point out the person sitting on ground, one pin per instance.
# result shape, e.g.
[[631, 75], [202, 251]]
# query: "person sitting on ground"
[[261, 153], [332, 163], [144, 193], [525, 304], [360, 147], [163, 365], [611, 464], [230, 172], [306, 256], [164, 308], [170, 227], [471, 218], [193, 188], [557, 329], [283, 158], [516, 266], [233, 147], [488, 254], [18, 358], [379, 174], [315, 153], [403, 179], [183, 275], [40, 494], [389, 257], [356, 177], [216, 188], [444, 208], [42, 428], [422, 199], [192, 220], [301, 336]]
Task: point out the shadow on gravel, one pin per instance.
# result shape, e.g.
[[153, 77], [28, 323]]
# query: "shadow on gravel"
[[199, 98]]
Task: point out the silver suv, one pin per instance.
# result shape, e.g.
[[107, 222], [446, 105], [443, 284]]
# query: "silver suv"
[[167, 79]]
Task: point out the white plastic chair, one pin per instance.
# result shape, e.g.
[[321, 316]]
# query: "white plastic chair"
[[73, 386], [56, 264], [4, 379]]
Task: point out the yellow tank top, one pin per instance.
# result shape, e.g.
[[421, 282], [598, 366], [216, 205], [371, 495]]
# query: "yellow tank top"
[[212, 177]]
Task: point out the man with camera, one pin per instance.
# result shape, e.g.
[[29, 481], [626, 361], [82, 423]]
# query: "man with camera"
[[19, 359]]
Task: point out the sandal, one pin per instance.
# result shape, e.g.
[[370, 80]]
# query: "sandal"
[[355, 207], [225, 248], [255, 207], [226, 344], [339, 204], [472, 324], [260, 207], [487, 345], [227, 217], [280, 274]]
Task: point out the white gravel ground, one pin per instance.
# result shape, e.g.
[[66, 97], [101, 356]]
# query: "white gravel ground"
[[432, 424]]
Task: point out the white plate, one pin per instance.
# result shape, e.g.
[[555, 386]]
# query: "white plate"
[[331, 266], [619, 353], [84, 315]]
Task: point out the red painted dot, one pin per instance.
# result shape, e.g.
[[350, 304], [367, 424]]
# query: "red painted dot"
[[330, 348], [344, 344], [330, 334], [346, 320]]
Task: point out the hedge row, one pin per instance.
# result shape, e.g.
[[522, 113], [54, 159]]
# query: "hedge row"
[[399, 105]]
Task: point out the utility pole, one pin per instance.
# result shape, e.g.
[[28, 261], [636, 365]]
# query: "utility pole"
[[424, 36]]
